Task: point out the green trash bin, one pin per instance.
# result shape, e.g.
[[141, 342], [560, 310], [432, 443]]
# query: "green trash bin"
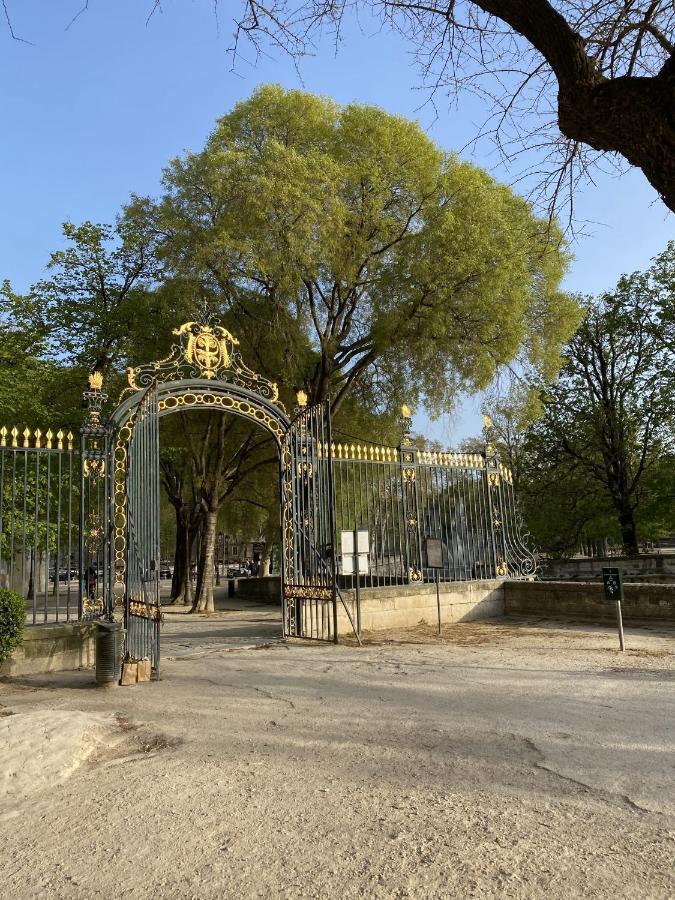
[[108, 652]]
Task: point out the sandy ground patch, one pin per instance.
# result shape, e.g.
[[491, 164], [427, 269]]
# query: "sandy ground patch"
[[44, 747], [512, 759]]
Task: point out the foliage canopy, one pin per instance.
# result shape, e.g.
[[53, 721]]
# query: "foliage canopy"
[[410, 272]]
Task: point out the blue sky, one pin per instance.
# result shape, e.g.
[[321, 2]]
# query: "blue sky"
[[92, 113]]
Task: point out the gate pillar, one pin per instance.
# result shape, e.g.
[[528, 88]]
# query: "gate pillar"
[[407, 455], [94, 549]]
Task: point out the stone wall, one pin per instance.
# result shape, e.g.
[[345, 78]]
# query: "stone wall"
[[649, 565], [403, 606], [585, 600], [260, 590], [53, 648]]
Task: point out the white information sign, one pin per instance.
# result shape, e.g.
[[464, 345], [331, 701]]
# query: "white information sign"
[[354, 547]]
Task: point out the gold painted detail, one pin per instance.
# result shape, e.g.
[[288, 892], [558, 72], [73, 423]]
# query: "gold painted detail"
[[94, 532], [506, 474], [493, 478], [307, 592], [94, 468], [33, 440], [92, 608], [409, 474], [378, 453], [200, 399], [414, 574], [96, 381], [204, 350], [502, 569], [144, 612]]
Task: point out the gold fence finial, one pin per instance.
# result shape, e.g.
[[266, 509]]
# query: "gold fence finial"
[[301, 398]]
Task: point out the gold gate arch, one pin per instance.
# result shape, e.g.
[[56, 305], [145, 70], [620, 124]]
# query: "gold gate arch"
[[203, 370]]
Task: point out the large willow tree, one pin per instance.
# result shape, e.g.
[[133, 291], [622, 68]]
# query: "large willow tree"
[[409, 271]]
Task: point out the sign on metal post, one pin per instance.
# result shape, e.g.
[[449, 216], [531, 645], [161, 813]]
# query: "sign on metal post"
[[354, 560], [612, 579], [434, 553], [354, 550], [435, 561]]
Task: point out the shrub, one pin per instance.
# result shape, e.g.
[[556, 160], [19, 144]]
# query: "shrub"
[[12, 622]]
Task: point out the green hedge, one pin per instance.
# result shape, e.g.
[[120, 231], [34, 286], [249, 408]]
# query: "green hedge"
[[12, 622]]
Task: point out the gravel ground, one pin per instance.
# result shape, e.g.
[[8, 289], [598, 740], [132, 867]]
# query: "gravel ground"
[[505, 759]]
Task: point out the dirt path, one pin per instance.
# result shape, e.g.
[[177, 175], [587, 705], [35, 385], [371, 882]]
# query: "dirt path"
[[509, 760]]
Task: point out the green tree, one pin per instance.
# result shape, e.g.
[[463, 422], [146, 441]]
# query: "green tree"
[[607, 429], [25, 375], [408, 272]]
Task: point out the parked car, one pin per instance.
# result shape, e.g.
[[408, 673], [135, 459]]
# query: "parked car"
[[68, 575], [165, 571], [237, 571]]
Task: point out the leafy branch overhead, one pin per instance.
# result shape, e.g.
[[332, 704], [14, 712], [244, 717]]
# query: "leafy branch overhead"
[[571, 80]]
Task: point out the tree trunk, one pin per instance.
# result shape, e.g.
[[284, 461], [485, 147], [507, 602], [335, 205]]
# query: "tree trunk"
[[630, 115], [264, 567], [628, 530], [181, 584], [203, 601], [178, 578], [186, 532]]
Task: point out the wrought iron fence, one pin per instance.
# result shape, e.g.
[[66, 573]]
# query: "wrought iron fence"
[[52, 546], [370, 513], [393, 503], [40, 488]]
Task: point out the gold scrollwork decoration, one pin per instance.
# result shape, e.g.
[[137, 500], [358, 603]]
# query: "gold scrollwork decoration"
[[409, 474], [307, 592], [94, 532], [92, 608], [144, 612], [94, 468], [205, 349]]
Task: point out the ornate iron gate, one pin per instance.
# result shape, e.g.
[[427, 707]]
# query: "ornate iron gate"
[[142, 611], [311, 598]]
